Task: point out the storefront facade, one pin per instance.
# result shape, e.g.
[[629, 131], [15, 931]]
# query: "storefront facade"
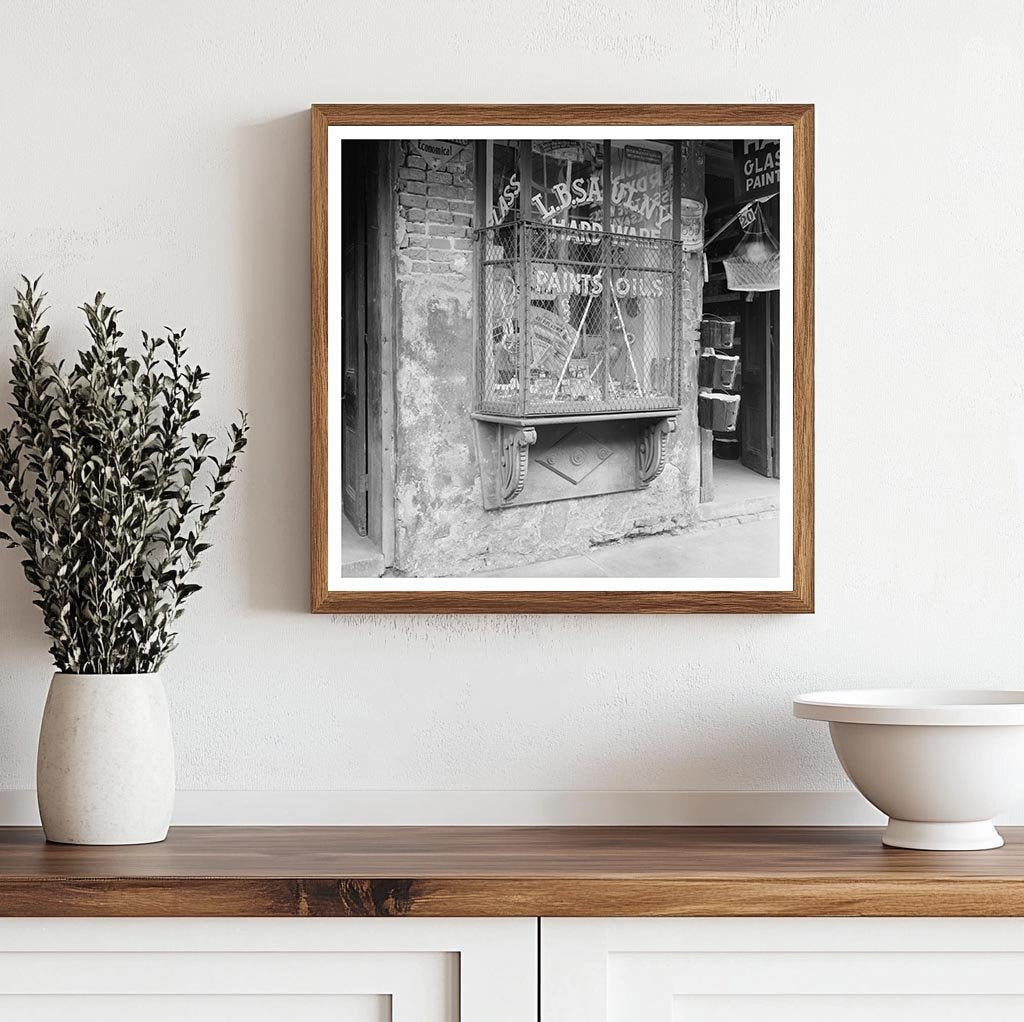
[[524, 364]]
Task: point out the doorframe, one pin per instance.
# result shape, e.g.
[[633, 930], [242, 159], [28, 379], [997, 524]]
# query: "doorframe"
[[774, 379], [381, 365], [761, 309]]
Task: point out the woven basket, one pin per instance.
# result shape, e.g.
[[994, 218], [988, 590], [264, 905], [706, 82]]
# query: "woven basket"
[[741, 275]]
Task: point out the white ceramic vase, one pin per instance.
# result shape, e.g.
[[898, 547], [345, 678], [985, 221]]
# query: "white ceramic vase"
[[105, 769]]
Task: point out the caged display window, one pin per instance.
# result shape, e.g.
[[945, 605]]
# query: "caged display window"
[[580, 276]]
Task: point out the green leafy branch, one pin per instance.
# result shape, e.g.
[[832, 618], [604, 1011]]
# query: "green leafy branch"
[[108, 491]]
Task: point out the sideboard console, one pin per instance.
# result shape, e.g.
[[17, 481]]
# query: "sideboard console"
[[509, 925]]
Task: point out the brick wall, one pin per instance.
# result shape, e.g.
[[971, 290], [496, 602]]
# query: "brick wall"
[[435, 222]]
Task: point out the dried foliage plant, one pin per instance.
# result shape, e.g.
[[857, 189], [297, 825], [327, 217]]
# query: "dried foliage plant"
[[108, 493]]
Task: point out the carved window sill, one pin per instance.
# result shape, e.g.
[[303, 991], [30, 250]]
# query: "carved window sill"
[[545, 458]]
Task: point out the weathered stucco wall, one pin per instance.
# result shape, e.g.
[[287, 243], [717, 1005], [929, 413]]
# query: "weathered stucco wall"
[[441, 525]]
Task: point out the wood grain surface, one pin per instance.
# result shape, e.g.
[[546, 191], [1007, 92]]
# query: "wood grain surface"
[[515, 871], [800, 599]]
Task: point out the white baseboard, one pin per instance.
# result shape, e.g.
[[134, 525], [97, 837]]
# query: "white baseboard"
[[503, 808], [496, 808]]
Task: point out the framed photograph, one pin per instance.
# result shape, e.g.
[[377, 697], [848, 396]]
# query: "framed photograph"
[[562, 363]]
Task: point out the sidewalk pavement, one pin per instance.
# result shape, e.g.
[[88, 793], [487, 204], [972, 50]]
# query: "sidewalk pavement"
[[733, 550]]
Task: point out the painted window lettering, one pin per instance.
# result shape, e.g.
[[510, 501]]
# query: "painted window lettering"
[[640, 205]]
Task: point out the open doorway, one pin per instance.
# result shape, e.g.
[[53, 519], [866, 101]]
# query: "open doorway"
[[367, 540], [740, 472]]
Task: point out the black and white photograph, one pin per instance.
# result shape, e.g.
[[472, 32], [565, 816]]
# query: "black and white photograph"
[[561, 361]]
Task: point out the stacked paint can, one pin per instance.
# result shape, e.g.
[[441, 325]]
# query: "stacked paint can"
[[716, 332], [717, 371], [718, 411], [717, 404]]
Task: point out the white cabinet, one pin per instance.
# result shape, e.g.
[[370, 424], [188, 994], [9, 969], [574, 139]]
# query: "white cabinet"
[[487, 970], [297, 970], [781, 970]]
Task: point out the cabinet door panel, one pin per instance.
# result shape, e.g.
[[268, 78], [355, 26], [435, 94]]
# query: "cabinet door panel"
[[175, 1007], [797, 970], [342, 970], [842, 1008]]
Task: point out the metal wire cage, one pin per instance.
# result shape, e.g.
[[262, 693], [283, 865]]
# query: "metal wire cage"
[[577, 322]]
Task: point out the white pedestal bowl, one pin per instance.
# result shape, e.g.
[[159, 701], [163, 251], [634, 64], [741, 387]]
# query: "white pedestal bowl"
[[939, 763]]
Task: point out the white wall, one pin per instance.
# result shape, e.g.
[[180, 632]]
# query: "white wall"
[[161, 152]]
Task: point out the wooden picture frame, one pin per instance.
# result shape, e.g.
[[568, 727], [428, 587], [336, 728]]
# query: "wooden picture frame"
[[797, 119]]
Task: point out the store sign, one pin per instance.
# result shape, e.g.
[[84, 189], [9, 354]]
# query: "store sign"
[[439, 152], [564, 149], [581, 192], [641, 204], [756, 163], [549, 283], [635, 208], [643, 155]]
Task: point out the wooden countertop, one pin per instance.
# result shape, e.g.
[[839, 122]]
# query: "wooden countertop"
[[507, 871]]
